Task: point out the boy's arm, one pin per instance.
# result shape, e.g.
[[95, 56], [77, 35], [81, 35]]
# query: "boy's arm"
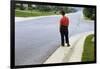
[[68, 20]]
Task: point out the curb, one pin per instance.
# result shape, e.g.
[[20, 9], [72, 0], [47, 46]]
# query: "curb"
[[69, 54], [18, 19]]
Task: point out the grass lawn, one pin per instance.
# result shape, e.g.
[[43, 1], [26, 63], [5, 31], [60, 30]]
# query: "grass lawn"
[[32, 13], [88, 53]]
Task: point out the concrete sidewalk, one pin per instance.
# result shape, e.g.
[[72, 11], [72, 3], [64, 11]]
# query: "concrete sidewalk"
[[69, 54]]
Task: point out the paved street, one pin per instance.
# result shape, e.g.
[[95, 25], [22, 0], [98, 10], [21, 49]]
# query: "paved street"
[[37, 39]]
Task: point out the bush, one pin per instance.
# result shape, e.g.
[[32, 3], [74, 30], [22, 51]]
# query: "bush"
[[89, 13]]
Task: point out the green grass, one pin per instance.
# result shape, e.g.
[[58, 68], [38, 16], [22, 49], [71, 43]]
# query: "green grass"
[[88, 53], [33, 13]]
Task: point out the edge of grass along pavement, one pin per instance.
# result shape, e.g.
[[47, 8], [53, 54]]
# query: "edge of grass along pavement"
[[32, 13], [88, 51]]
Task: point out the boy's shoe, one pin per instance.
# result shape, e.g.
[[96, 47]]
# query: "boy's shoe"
[[62, 45], [68, 45]]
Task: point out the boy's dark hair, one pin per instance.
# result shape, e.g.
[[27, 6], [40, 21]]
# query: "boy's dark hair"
[[62, 12]]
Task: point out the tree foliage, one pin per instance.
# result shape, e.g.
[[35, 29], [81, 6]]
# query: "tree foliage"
[[89, 13]]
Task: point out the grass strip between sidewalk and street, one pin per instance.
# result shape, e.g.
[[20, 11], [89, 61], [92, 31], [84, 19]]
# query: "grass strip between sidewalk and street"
[[88, 51]]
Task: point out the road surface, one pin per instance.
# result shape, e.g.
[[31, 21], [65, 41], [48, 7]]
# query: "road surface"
[[37, 39]]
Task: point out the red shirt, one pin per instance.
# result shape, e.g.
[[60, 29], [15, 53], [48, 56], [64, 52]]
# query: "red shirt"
[[64, 21]]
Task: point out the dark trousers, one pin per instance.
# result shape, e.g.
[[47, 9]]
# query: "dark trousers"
[[64, 34]]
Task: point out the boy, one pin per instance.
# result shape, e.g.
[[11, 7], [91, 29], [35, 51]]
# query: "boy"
[[64, 23]]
